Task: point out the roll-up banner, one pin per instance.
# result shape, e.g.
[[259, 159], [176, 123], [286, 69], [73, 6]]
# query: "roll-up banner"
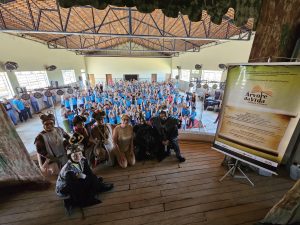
[[260, 111]]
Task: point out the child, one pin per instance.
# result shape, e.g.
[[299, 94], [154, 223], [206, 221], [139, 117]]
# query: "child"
[[184, 122]]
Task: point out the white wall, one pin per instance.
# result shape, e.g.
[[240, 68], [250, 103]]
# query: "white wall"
[[117, 66], [34, 56], [211, 57]]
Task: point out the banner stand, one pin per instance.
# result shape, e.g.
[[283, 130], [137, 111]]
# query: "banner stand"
[[233, 167]]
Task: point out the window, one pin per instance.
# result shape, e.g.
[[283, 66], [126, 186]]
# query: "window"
[[174, 73], [211, 75], [69, 76], [185, 75], [6, 90], [32, 79]]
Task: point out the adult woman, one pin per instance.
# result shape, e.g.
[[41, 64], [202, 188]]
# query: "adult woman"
[[101, 135], [76, 181], [123, 141]]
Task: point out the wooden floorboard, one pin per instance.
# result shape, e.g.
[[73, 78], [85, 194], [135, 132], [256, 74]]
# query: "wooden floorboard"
[[165, 193]]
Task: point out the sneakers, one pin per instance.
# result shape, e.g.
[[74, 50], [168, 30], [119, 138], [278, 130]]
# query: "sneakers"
[[181, 159], [103, 187]]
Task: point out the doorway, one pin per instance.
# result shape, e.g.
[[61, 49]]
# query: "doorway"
[[154, 77], [109, 79], [91, 78]]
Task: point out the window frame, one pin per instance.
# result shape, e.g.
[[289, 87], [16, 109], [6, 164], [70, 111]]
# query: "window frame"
[[7, 85], [68, 80], [32, 79]]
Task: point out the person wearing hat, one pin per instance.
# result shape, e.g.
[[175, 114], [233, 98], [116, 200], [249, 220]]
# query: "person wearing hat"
[[123, 141], [78, 123], [50, 145], [76, 182], [167, 130], [101, 135]]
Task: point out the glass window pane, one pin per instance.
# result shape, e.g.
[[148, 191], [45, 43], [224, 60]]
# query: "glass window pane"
[[6, 90], [32, 79], [69, 76]]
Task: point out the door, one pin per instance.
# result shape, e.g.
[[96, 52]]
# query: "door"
[[154, 77], [109, 80], [168, 77], [92, 80]]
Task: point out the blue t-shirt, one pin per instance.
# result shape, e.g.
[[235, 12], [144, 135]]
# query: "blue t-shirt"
[[118, 119], [193, 115], [67, 103], [19, 104], [74, 101]]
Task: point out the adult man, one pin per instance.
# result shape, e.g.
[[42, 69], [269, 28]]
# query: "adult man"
[[167, 128], [20, 107], [50, 145]]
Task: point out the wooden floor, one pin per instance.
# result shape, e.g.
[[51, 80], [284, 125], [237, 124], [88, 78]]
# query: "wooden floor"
[[165, 193]]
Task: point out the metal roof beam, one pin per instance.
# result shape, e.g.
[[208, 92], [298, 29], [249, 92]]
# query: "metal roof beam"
[[247, 33]]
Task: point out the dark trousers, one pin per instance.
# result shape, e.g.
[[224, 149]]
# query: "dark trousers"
[[23, 115], [192, 121], [28, 113], [164, 151]]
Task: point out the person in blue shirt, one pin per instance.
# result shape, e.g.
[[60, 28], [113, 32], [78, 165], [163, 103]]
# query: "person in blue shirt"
[[128, 102], [74, 102], [20, 107], [88, 105], [192, 117], [111, 118], [148, 114], [118, 118], [67, 103], [92, 97], [70, 116], [87, 98]]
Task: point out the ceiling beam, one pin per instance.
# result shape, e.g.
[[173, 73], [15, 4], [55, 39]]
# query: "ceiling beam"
[[237, 38]]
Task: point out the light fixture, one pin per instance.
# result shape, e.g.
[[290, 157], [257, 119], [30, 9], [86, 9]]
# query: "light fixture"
[[198, 66], [223, 66]]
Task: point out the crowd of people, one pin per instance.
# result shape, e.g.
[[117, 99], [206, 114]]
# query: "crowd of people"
[[128, 121], [132, 98]]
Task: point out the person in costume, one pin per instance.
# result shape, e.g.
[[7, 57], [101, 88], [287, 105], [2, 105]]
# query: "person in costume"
[[123, 140], [167, 129], [76, 182], [101, 135], [145, 140], [50, 145]]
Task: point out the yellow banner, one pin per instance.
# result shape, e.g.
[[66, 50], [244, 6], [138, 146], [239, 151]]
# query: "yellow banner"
[[260, 111]]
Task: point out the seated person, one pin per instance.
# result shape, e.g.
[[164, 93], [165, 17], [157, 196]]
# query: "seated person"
[[145, 140], [76, 181], [167, 131], [50, 145]]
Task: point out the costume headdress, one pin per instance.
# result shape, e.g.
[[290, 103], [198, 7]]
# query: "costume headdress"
[[74, 148], [99, 114], [78, 119], [76, 138], [46, 117]]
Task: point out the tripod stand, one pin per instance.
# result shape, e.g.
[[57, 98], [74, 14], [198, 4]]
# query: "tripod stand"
[[233, 167]]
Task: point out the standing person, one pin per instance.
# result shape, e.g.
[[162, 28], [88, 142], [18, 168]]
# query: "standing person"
[[27, 108], [193, 100], [77, 183], [123, 140], [192, 117], [74, 102], [167, 129], [20, 107], [50, 145], [10, 111], [34, 104]]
